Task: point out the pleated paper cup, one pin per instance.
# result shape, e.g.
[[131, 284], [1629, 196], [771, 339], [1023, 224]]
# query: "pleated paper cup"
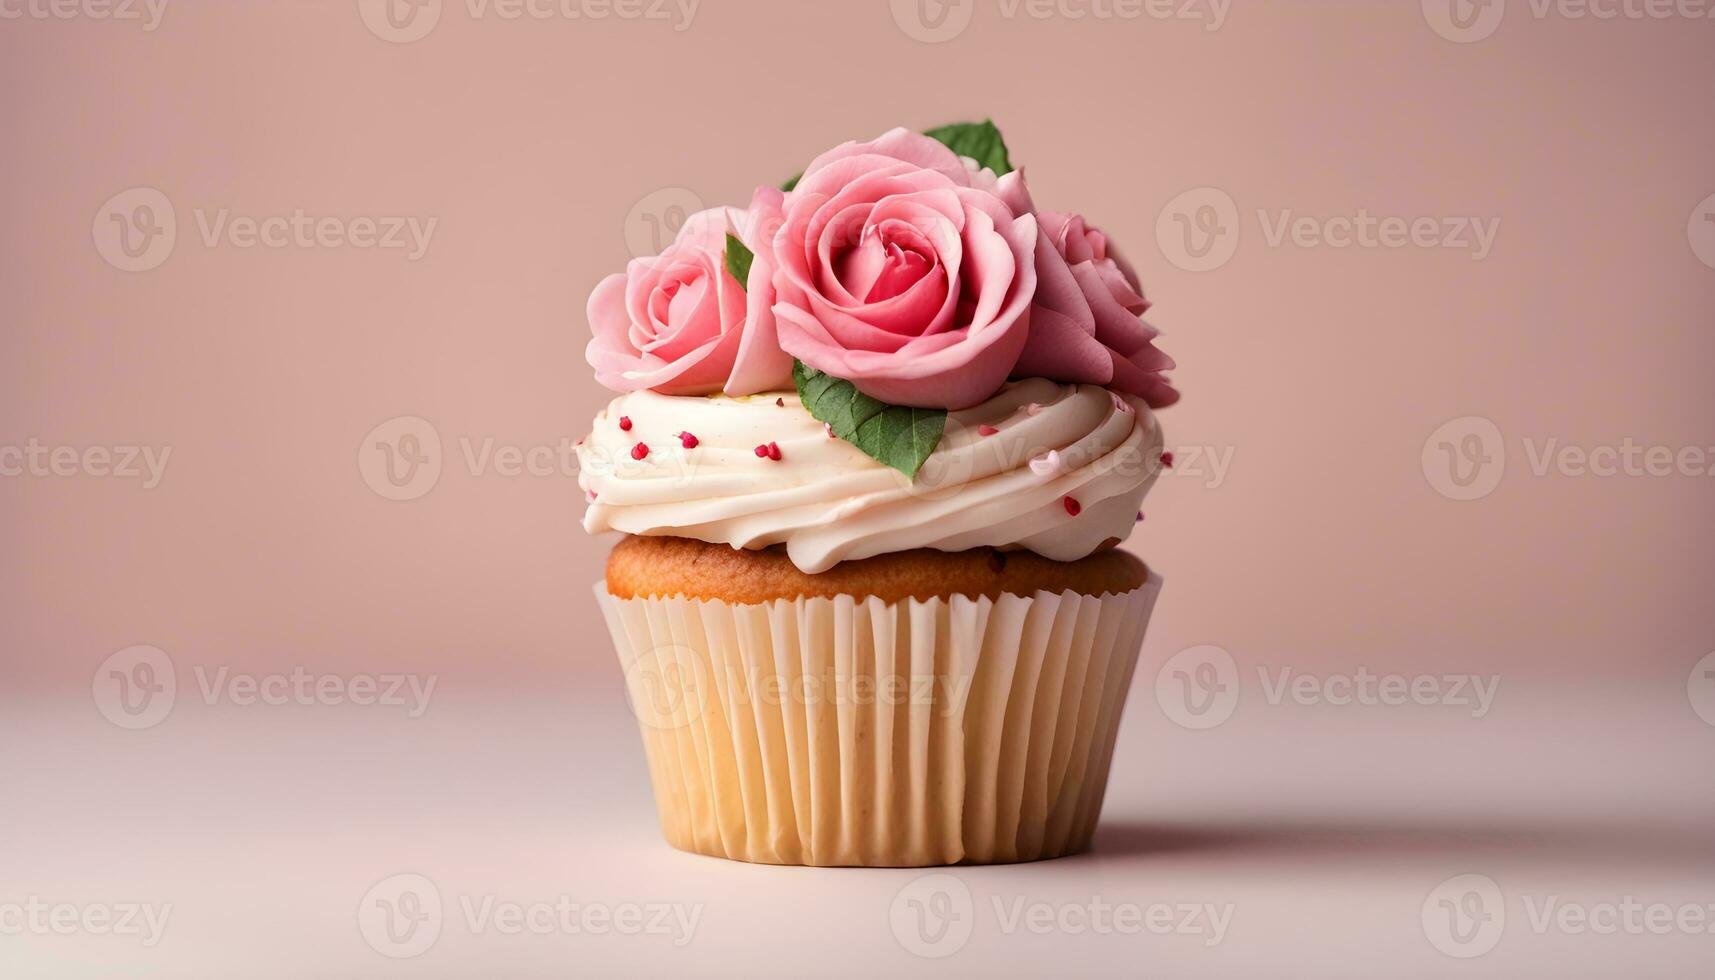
[[852, 731]]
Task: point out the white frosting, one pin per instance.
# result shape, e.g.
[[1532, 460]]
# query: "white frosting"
[[828, 502]]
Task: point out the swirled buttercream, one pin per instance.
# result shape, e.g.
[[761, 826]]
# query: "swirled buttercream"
[[1053, 468]]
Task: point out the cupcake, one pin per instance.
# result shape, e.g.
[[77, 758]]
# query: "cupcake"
[[878, 440]]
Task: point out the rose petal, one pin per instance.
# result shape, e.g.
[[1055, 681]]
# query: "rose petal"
[[900, 144]]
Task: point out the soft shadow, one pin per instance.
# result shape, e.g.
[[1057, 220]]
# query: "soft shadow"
[[1682, 845]]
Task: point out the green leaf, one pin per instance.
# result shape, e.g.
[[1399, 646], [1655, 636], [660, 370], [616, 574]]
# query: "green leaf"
[[791, 182], [893, 435], [979, 141], [738, 259]]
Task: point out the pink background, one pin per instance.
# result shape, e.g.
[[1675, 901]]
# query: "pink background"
[[536, 146]]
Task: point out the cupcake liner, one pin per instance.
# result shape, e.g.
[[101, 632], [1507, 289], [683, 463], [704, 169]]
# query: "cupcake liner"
[[851, 731]]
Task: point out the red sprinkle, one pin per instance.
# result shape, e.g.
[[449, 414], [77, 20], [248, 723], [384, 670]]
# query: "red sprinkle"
[[1167, 460], [1140, 515], [1072, 506], [687, 440], [987, 430], [780, 403], [625, 423], [829, 428], [761, 452], [774, 451], [639, 451]]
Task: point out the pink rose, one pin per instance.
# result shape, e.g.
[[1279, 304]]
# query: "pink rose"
[[681, 324], [1085, 323], [898, 274]]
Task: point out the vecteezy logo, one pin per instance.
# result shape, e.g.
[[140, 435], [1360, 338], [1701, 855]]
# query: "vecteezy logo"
[[933, 915], [654, 221], [400, 916], [400, 21], [668, 687], [135, 687], [932, 21], [1465, 458], [135, 230], [1701, 231], [1465, 915], [943, 475], [1199, 230], [1464, 21], [400, 459], [1700, 687], [1198, 688]]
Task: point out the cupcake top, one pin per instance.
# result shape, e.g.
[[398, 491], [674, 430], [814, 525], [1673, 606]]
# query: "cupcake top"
[[829, 368]]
